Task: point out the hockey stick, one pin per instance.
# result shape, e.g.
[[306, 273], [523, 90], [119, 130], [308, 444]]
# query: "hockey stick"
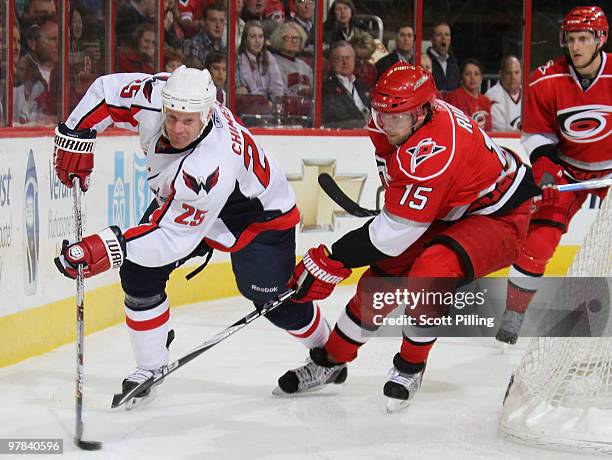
[[331, 188], [122, 398], [80, 328], [586, 185]]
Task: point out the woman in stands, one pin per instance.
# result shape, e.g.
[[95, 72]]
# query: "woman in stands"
[[468, 96], [287, 42], [257, 71]]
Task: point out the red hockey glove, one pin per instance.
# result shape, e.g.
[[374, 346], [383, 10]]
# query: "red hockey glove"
[[547, 175], [73, 154], [316, 276], [97, 252]]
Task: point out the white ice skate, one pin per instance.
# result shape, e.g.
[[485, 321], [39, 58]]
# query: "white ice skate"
[[400, 389], [135, 379], [314, 375]]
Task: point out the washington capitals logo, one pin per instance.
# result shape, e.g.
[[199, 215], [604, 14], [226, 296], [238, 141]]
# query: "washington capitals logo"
[[424, 150], [200, 183], [586, 123], [147, 89]]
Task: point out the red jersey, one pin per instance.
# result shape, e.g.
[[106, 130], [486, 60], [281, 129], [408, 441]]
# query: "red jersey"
[[478, 108], [449, 168], [192, 10], [579, 121]]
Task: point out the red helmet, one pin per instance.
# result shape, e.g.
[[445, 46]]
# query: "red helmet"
[[591, 18], [403, 88]]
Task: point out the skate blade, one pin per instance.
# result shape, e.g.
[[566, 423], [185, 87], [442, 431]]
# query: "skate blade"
[[138, 401], [396, 405], [278, 391]]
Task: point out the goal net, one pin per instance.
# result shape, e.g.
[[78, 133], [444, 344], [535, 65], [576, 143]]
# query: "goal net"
[[560, 396]]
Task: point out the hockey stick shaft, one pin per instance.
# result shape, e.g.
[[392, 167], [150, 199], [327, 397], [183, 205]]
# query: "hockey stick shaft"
[[587, 185], [333, 190], [80, 326], [207, 345]]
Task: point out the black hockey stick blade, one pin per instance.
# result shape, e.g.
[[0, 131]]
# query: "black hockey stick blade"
[[331, 188], [88, 445], [121, 398]]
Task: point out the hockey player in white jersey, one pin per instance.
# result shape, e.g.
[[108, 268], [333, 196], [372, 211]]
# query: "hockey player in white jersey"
[[214, 189]]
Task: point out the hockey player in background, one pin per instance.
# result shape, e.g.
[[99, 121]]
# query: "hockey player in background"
[[214, 188], [447, 184], [566, 133]]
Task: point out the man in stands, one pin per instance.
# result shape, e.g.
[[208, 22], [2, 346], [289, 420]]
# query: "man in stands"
[[566, 133], [505, 97], [447, 183], [214, 188], [404, 44], [445, 66]]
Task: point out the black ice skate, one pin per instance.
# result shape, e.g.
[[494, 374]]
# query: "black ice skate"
[[314, 375], [401, 388], [510, 327], [139, 376]]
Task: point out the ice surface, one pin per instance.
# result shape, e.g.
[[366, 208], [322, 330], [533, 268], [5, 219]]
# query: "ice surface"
[[220, 405]]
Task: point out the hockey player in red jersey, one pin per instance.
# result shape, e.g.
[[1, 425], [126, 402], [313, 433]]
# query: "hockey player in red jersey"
[[566, 133], [214, 188], [447, 184]]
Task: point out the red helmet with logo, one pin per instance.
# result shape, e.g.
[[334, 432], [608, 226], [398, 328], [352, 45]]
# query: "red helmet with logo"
[[591, 18], [403, 88]]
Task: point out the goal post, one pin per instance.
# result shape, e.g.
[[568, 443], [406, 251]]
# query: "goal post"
[[560, 396]]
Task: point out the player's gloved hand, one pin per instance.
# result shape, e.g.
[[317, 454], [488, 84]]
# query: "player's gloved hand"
[[547, 175], [316, 276], [73, 154], [98, 253]]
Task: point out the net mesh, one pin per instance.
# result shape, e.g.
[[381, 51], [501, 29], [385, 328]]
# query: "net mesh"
[[561, 393]]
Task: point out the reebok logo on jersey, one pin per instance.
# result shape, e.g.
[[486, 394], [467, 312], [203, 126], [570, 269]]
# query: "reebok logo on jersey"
[[200, 183], [586, 123], [421, 152]]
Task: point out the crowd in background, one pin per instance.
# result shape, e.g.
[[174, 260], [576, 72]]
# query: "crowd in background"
[[274, 66]]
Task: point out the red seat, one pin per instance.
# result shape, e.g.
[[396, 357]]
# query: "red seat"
[[252, 104]]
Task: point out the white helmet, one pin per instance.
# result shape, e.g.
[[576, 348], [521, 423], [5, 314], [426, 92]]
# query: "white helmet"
[[189, 90]]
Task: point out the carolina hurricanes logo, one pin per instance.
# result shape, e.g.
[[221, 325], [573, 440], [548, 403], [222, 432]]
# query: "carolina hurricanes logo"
[[200, 183], [480, 117], [421, 152], [586, 123]]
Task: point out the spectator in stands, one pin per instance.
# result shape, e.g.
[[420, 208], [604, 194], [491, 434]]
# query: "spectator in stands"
[[257, 10], [404, 48], [216, 63], [505, 97], [468, 97], [36, 12], [131, 15], [256, 69], [36, 99], [304, 16], [191, 13], [426, 62], [210, 38], [139, 57], [340, 23], [365, 70], [287, 41], [445, 67], [173, 59], [239, 21], [16, 49], [174, 33], [75, 50], [346, 101]]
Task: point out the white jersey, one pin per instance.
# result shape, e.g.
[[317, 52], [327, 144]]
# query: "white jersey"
[[222, 188], [505, 110]]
